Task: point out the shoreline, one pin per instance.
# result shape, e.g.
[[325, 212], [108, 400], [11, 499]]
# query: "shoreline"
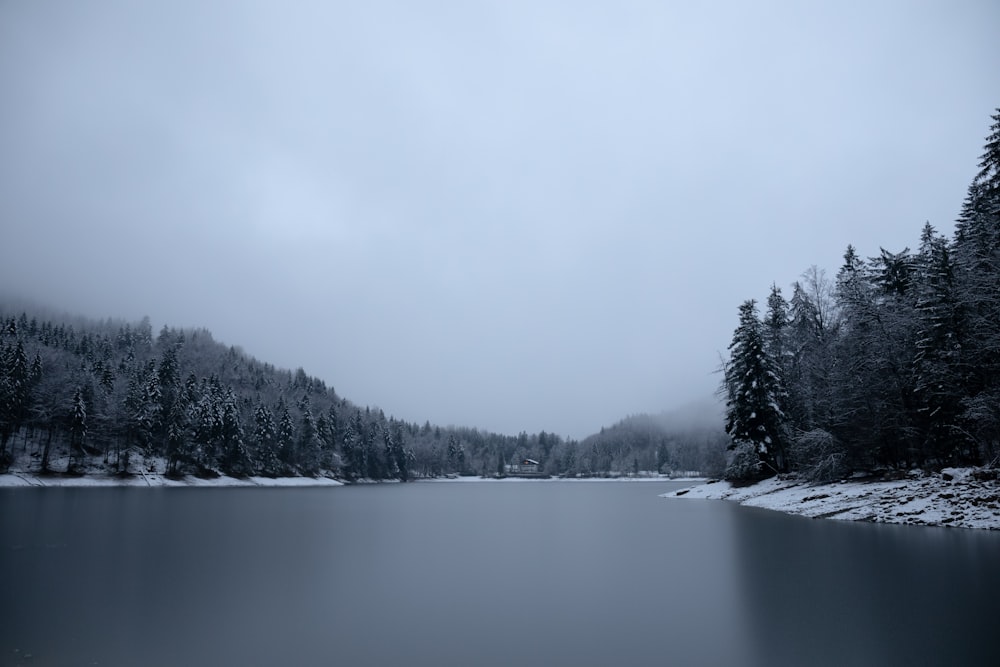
[[57, 480], [514, 478], [19, 479], [954, 497]]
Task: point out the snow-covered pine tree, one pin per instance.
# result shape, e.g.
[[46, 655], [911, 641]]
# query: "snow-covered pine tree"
[[328, 426], [755, 419], [808, 377], [989, 161], [977, 271], [233, 451], [206, 427], [374, 464], [77, 428], [308, 449], [453, 454], [391, 459], [265, 437], [863, 403], [403, 456], [15, 391], [776, 333], [286, 434], [937, 362]]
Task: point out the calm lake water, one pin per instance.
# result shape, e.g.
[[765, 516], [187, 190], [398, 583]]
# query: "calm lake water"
[[528, 573]]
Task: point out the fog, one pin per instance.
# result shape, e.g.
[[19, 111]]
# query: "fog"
[[508, 215]]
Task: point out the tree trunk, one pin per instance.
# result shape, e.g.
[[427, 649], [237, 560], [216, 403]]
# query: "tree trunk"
[[46, 450]]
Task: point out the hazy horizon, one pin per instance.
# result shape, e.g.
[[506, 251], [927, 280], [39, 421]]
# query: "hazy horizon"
[[507, 215]]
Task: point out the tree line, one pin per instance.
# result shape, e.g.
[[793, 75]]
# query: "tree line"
[[78, 395], [895, 363]]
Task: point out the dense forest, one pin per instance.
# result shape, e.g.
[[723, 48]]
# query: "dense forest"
[[894, 363], [114, 396], [671, 442]]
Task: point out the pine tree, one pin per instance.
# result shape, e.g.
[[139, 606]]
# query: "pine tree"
[[977, 272], [403, 456], [141, 406], [206, 425], [235, 458], [391, 458], [308, 448], [872, 414], [453, 449], [353, 450], [776, 343], [989, 162], [265, 438], [77, 428], [286, 434], [937, 362], [807, 372], [15, 391], [754, 413], [374, 464], [330, 437]]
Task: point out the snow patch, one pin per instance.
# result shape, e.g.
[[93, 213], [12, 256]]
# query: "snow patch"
[[24, 479], [953, 498]]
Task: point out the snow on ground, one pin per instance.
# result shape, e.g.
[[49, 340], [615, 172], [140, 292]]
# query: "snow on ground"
[[26, 479], [512, 479], [103, 478], [143, 471], [955, 497]]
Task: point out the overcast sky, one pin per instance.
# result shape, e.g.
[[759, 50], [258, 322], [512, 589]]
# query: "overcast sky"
[[507, 215]]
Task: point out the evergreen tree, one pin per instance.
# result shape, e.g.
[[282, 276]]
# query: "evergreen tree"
[[235, 457], [141, 406], [330, 437], [374, 464], [265, 439], [286, 434], [352, 447], [754, 414], [403, 456], [977, 271], [989, 162], [870, 413], [662, 457], [15, 391], [937, 363], [776, 340], [308, 450], [453, 454], [77, 427], [806, 377], [206, 425], [392, 468], [776, 326]]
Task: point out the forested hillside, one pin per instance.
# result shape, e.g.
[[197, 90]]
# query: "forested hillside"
[[82, 395], [895, 362], [668, 443]]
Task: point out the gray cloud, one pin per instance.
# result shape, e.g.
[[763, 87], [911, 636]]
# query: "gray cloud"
[[511, 215]]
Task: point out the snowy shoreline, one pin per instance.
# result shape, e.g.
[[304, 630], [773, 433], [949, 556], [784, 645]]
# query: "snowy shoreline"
[[514, 478], [20, 479], [954, 497]]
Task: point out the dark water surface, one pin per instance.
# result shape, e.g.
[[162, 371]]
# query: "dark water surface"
[[531, 573]]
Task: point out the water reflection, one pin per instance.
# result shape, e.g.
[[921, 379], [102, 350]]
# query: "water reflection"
[[820, 592], [476, 574]]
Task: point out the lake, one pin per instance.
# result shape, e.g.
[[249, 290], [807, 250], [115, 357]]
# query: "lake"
[[490, 573]]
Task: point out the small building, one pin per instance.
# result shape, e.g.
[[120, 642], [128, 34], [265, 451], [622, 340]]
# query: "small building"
[[525, 467]]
